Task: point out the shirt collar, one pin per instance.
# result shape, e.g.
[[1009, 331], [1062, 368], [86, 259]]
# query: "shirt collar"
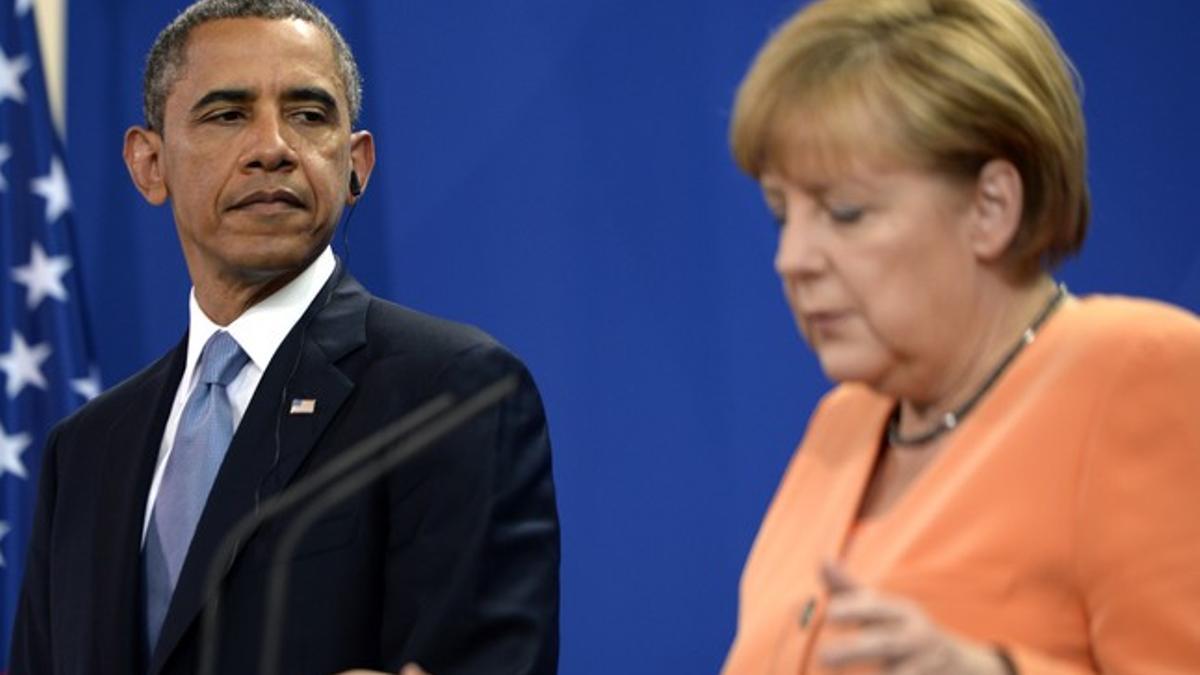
[[261, 329]]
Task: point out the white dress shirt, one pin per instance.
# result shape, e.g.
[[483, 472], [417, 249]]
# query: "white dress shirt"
[[259, 331]]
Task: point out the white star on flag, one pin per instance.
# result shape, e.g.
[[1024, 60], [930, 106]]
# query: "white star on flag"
[[5, 154], [22, 364], [54, 188], [11, 448], [23, 7], [87, 387], [42, 276], [11, 71], [3, 531]]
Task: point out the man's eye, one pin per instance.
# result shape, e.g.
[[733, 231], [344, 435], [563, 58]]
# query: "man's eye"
[[224, 116], [311, 116], [845, 215]]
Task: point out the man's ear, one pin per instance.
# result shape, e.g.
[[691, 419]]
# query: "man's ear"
[[143, 158], [999, 203], [362, 161]]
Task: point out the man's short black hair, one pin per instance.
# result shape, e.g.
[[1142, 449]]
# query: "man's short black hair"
[[166, 59]]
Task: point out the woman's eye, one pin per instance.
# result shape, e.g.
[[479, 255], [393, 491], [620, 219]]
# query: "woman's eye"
[[846, 215], [777, 209]]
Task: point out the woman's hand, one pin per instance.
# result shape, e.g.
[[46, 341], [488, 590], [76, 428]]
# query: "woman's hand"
[[896, 636]]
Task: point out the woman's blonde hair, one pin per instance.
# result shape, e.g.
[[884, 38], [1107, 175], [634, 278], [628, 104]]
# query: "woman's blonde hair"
[[946, 84]]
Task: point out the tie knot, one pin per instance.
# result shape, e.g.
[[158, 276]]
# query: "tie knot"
[[221, 359]]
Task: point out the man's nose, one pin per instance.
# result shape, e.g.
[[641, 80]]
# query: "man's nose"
[[268, 146]]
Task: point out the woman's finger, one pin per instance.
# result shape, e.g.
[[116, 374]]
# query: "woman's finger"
[[836, 579], [881, 646], [868, 607]]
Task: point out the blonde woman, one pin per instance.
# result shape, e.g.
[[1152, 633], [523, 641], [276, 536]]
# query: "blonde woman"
[[1007, 477]]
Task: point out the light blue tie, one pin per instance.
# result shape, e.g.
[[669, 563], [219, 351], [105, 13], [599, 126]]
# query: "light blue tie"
[[203, 436]]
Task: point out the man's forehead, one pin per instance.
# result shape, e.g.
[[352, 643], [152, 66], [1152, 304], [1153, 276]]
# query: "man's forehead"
[[247, 53], [257, 28]]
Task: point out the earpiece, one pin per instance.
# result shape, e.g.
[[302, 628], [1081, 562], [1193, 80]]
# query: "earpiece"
[[355, 186]]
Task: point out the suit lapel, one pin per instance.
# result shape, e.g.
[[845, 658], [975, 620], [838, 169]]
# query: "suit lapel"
[[849, 481], [339, 329], [255, 467], [132, 446]]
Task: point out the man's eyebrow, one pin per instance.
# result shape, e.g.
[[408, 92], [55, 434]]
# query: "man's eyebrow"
[[223, 96], [313, 94]]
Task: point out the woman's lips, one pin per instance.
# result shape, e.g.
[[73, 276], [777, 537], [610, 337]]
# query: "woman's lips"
[[824, 322]]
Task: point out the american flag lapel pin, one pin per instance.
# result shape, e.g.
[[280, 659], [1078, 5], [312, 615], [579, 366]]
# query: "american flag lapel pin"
[[303, 406]]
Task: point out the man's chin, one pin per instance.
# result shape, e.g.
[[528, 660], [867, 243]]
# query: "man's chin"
[[273, 256], [271, 266]]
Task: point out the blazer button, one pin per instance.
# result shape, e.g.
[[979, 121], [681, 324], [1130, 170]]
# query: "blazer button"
[[806, 612]]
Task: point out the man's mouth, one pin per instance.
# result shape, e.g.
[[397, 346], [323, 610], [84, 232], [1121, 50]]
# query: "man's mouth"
[[269, 200]]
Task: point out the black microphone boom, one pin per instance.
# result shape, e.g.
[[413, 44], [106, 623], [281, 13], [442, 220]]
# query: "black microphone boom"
[[301, 490], [371, 470], [339, 478]]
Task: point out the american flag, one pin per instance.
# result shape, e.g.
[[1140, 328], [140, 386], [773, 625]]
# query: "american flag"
[[46, 369]]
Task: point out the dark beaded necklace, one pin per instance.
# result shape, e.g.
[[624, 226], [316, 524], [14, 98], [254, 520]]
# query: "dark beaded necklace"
[[953, 418]]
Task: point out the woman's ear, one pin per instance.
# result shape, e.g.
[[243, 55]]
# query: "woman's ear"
[[999, 202]]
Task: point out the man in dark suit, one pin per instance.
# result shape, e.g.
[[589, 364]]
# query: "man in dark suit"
[[449, 562]]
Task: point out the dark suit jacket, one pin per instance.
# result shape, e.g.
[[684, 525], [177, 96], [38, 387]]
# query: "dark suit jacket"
[[451, 561]]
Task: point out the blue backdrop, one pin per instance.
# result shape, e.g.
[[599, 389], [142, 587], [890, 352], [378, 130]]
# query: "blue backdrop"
[[557, 173]]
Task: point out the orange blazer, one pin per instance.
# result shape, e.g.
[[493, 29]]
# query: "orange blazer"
[[1061, 520]]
